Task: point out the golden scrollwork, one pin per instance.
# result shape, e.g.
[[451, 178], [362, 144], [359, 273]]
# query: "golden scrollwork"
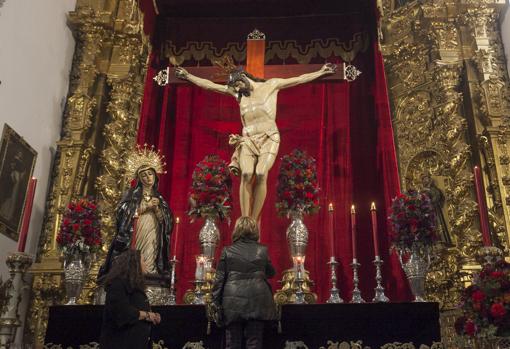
[[287, 294], [110, 49], [449, 93], [448, 86]]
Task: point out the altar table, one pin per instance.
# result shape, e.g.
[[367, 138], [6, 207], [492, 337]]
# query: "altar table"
[[308, 326]]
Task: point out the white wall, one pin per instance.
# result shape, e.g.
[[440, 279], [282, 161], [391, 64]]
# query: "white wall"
[[36, 50], [505, 33]]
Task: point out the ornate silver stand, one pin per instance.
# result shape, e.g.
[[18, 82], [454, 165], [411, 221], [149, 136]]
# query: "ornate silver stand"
[[298, 289], [209, 236], [297, 235], [18, 263], [76, 268], [415, 263], [379, 289], [334, 295], [356, 293], [173, 263], [158, 294]]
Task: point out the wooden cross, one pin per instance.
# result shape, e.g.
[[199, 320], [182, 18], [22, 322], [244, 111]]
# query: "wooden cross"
[[255, 52]]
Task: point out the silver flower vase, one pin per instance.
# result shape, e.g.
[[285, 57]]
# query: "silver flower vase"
[[209, 236], [297, 235], [76, 268], [415, 263]]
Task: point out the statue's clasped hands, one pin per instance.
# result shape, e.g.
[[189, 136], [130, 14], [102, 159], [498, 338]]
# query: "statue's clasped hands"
[[153, 203]]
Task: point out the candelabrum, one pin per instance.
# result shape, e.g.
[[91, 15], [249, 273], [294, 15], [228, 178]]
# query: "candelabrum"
[[379, 289], [203, 265], [299, 279], [173, 263], [356, 293], [18, 263], [334, 295]]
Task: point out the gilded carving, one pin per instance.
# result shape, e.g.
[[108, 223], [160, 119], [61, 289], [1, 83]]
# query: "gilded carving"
[[424, 45], [106, 42]]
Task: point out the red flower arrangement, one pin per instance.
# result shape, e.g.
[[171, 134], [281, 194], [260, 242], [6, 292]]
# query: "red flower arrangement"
[[486, 303], [210, 192], [413, 221], [80, 228], [298, 188]]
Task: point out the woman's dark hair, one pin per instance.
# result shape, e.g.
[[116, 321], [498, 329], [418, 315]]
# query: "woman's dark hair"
[[245, 228], [127, 266]]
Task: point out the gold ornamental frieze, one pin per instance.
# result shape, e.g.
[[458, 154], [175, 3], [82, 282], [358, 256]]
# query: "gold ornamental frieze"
[[302, 53]]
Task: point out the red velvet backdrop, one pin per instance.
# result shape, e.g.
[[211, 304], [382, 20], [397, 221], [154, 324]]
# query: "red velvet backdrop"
[[345, 126]]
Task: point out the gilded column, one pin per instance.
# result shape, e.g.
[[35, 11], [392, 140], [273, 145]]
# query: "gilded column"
[[447, 81], [489, 90], [424, 73], [125, 75], [71, 165]]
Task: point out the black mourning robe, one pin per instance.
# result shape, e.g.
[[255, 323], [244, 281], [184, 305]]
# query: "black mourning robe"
[[124, 219], [121, 327]]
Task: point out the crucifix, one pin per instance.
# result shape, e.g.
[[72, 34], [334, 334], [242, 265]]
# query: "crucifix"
[[256, 90]]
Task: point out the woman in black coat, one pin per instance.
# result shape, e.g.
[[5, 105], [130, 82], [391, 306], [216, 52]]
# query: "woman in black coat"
[[127, 318], [241, 290]]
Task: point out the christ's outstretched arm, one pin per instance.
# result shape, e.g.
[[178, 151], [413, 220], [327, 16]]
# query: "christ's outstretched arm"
[[182, 73], [326, 69]]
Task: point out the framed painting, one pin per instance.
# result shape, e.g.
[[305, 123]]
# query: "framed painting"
[[17, 161]]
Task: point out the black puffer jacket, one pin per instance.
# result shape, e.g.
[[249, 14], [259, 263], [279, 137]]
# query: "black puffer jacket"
[[241, 286]]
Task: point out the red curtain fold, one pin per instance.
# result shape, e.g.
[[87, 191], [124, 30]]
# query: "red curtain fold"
[[345, 126]]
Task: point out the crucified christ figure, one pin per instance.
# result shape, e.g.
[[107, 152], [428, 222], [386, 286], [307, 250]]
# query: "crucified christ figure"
[[257, 147]]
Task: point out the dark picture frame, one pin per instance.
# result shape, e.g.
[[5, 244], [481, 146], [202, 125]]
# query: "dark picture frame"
[[17, 162]]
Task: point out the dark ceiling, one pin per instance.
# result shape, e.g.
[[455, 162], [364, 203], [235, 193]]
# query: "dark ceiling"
[[259, 8]]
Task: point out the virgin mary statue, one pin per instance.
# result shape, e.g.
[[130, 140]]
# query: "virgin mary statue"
[[144, 220]]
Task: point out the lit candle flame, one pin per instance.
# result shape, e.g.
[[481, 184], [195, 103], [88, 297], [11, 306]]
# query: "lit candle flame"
[[353, 209], [177, 220], [330, 207], [372, 207]]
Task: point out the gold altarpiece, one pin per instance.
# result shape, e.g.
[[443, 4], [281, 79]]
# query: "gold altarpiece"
[[449, 92], [450, 99]]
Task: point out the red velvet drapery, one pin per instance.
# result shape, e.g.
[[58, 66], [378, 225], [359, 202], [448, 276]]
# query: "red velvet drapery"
[[345, 126]]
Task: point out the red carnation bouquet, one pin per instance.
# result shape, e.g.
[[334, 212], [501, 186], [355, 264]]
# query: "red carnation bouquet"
[[413, 221], [210, 192], [298, 188], [80, 228], [486, 303]]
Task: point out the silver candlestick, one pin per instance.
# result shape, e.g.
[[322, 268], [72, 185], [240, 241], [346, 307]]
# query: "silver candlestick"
[[334, 295], [356, 293], [171, 298], [18, 263], [379, 289]]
